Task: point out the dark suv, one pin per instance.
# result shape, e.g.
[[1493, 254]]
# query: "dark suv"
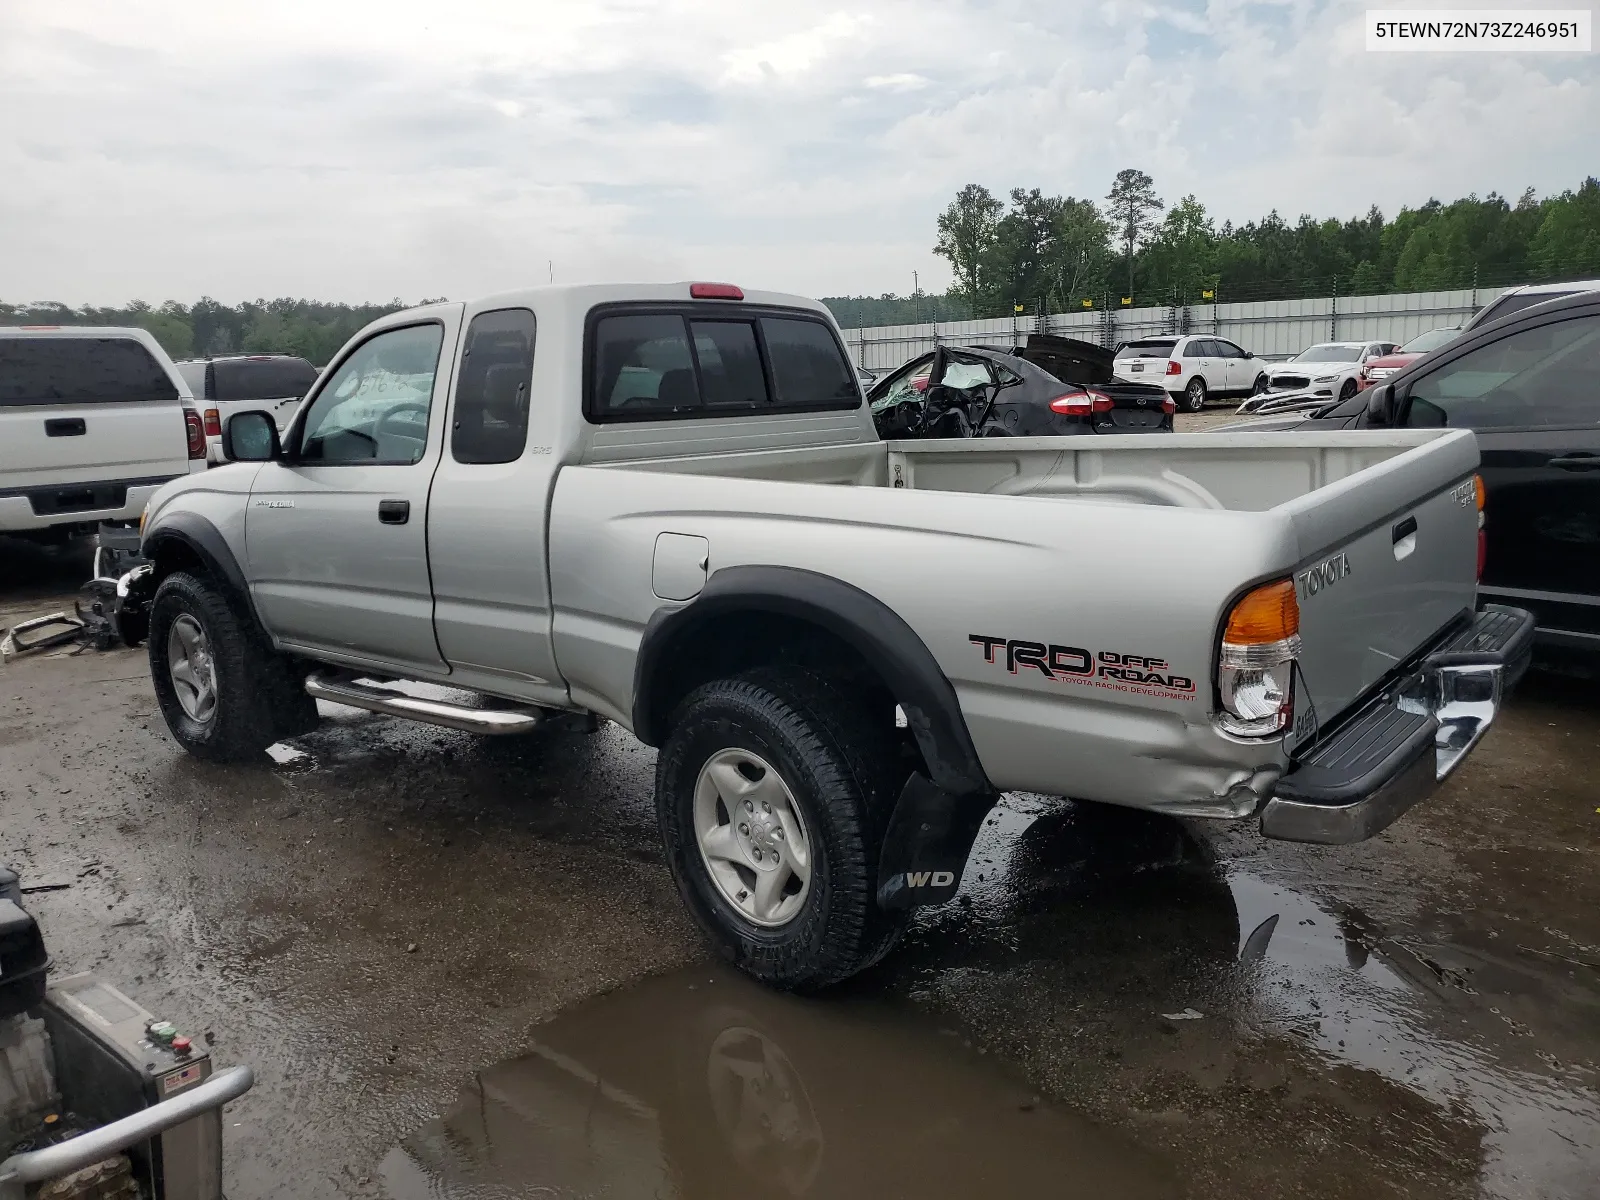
[[1529, 385]]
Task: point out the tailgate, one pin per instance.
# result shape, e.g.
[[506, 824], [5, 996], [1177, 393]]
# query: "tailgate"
[[91, 443], [1388, 559]]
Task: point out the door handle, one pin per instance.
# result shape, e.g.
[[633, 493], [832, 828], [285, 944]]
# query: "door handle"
[[394, 512], [1405, 538], [1577, 462], [65, 427]]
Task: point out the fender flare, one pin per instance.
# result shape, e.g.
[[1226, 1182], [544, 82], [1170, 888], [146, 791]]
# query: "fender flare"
[[206, 542], [862, 621]]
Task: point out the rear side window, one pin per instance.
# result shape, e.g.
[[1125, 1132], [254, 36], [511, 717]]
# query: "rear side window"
[[80, 371], [492, 390], [272, 378], [660, 364]]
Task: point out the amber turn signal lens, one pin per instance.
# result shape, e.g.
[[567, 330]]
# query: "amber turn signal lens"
[[1477, 490], [1265, 614]]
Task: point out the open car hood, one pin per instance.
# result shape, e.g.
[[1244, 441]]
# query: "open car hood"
[[1068, 359]]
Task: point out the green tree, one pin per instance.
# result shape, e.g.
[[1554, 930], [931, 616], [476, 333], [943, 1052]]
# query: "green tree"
[[1569, 234], [966, 238], [1131, 205]]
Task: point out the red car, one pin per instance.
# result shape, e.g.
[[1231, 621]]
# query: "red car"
[[1378, 369]]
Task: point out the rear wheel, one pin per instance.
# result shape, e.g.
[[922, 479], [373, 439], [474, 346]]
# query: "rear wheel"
[[224, 694], [772, 793], [1194, 396]]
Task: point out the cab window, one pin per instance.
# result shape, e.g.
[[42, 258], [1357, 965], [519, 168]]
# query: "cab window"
[[1543, 376], [374, 408]]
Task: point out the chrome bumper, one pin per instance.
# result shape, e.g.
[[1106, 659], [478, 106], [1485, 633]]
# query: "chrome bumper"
[[1406, 740]]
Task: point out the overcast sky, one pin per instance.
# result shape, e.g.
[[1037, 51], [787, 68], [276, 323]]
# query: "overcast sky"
[[349, 150]]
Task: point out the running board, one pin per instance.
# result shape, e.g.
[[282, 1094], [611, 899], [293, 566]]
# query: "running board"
[[414, 708]]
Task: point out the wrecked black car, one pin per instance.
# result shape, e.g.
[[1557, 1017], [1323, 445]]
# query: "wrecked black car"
[[1050, 386]]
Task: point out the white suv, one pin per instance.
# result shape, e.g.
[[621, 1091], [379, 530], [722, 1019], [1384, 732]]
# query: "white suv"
[[92, 422], [1192, 368], [273, 383]]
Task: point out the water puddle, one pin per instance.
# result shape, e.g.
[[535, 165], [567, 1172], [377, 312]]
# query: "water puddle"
[[285, 755], [1382, 1003], [700, 1084]]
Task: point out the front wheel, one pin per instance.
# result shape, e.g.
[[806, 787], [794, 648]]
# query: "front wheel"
[[1194, 396], [1260, 385], [772, 794], [1348, 390], [224, 695]]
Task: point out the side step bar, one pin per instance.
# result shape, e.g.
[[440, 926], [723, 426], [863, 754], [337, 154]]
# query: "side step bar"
[[342, 690]]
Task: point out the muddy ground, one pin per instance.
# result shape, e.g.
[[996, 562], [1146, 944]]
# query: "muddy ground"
[[460, 969]]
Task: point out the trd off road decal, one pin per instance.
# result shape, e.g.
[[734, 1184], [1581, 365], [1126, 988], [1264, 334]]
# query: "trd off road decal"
[[1111, 669]]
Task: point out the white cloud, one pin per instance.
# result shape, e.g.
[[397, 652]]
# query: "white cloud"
[[170, 148]]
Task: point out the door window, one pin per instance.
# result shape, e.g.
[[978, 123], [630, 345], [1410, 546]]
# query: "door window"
[[491, 415], [1227, 349], [1544, 376], [908, 382], [374, 409], [1200, 348]]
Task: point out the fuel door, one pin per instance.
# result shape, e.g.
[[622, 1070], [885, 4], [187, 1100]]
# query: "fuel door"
[[680, 566]]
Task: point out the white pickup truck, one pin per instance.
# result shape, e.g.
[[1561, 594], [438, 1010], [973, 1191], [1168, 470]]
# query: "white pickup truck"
[[92, 421], [667, 506]]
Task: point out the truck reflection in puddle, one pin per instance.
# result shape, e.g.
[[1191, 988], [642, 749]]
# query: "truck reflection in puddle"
[[700, 1084]]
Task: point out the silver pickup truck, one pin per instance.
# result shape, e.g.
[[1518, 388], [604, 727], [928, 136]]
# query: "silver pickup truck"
[[667, 506]]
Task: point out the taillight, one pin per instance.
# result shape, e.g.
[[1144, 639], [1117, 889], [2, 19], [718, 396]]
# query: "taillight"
[[213, 423], [1081, 404], [197, 433], [1173, 368], [1255, 666], [1169, 405], [1483, 537]]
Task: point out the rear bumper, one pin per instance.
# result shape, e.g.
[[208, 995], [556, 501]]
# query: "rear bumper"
[[1405, 741], [24, 510]]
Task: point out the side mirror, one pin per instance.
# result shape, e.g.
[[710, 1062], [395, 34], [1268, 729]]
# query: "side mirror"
[[1381, 406], [251, 437]]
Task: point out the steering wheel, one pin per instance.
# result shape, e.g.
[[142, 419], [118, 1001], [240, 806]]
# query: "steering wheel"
[[378, 428]]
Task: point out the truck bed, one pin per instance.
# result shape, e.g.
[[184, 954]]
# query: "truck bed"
[[1179, 521]]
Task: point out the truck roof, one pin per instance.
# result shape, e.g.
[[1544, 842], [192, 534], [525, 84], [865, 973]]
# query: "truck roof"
[[587, 295]]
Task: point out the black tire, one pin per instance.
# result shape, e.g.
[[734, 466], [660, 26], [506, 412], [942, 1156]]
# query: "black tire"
[[258, 695], [842, 766], [1260, 385], [1194, 396], [1348, 390]]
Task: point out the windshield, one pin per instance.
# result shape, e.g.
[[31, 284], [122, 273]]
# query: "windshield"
[[1431, 340], [1329, 352], [1161, 349]]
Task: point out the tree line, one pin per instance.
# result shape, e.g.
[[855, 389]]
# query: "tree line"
[[308, 329], [1064, 253]]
